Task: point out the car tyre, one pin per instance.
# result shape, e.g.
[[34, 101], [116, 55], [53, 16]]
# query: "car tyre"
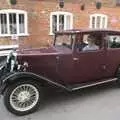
[[23, 98]]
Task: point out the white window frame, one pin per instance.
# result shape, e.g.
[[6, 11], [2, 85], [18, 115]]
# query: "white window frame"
[[17, 12], [58, 13], [102, 16]]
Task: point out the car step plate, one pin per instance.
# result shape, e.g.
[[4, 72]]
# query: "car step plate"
[[85, 85]]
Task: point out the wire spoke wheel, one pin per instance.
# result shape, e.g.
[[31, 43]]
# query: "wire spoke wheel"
[[24, 97]]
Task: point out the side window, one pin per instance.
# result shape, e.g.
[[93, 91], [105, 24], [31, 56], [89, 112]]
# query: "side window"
[[89, 42], [113, 41]]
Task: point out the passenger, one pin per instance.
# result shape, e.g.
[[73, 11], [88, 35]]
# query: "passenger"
[[91, 44], [80, 44]]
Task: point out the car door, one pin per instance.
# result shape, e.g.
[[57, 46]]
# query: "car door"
[[89, 66], [81, 67], [112, 53]]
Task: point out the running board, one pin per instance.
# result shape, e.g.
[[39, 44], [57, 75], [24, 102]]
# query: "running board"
[[85, 85]]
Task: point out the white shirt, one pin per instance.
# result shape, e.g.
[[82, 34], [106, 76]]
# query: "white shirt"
[[90, 47]]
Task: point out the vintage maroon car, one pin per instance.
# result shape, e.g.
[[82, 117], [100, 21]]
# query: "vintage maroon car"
[[77, 59]]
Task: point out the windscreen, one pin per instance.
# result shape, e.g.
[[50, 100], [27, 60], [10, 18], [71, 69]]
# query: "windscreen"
[[64, 40]]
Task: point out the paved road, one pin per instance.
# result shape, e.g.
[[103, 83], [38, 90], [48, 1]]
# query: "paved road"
[[96, 103]]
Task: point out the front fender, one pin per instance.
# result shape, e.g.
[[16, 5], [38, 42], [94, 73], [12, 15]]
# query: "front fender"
[[13, 77]]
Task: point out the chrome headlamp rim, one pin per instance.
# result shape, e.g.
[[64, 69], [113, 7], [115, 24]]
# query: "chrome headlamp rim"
[[12, 60], [12, 54], [13, 65]]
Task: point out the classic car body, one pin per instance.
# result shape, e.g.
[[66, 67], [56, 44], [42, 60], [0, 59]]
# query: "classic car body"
[[63, 65]]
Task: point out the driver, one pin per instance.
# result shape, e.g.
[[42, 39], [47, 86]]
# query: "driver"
[[91, 44]]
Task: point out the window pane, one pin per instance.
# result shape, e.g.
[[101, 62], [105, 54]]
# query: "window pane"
[[64, 40], [21, 23], [93, 22], [13, 25], [98, 22], [54, 23], [103, 22], [68, 22], [61, 22], [3, 23]]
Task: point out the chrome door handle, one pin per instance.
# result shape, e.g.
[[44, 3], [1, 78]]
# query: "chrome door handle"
[[57, 57], [75, 59]]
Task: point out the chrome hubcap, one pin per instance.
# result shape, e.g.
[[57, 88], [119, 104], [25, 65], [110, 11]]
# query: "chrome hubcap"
[[24, 97]]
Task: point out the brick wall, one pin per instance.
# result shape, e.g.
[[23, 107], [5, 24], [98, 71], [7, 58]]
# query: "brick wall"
[[39, 18]]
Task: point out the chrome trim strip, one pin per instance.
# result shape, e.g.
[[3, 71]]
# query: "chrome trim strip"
[[97, 83]]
